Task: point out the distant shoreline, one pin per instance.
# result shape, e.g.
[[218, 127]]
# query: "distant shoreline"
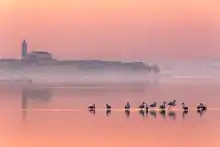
[[80, 84]]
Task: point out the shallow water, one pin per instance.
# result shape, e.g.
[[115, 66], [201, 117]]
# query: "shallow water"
[[34, 116]]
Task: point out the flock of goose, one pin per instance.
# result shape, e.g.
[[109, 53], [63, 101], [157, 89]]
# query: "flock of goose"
[[163, 106]]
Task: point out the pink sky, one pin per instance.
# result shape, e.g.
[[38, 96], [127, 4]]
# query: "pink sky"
[[112, 29]]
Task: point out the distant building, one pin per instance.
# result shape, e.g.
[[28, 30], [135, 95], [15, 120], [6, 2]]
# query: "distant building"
[[24, 49], [34, 56]]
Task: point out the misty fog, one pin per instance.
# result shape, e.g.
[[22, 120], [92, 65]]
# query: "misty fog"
[[169, 72]]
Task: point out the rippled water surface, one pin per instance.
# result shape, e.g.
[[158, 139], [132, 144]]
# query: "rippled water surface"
[[37, 116]]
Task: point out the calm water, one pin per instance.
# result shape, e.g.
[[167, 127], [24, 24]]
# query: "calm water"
[[57, 117]]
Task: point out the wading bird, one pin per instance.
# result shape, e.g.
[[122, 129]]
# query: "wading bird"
[[108, 107], [92, 107], [142, 106], [185, 108], [163, 106], [146, 106], [127, 106], [154, 105], [201, 106], [172, 104]]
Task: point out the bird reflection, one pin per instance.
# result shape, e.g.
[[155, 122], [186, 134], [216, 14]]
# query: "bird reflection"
[[146, 112], [172, 114], [163, 113], [40, 94], [127, 112], [141, 112], [200, 112], [153, 113], [92, 111], [184, 113], [108, 113], [24, 105], [33, 94]]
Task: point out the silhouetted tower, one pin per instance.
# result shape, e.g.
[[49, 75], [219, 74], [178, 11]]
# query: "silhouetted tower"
[[24, 49]]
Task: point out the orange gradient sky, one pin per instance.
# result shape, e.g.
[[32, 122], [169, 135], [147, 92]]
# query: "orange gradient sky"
[[112, 29]]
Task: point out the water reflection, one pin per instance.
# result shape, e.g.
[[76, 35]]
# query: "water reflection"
[[146, 112], [27, 94], [108, 113], [184, 113], [106, 91], [56, 127], [172, 114], [92, 111], [127, 113], [163, 113], [24, 104], [141, 112], [200, 112], [44, 95], [153, 113]]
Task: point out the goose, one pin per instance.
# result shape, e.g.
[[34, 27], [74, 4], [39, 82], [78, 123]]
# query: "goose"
[[154, 105], [185, 108], [163, 106], [201, 106], [172, 104], [92, 107], [108, 107], [142, 106], [204, 108], [146, 106], [127, 106]]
